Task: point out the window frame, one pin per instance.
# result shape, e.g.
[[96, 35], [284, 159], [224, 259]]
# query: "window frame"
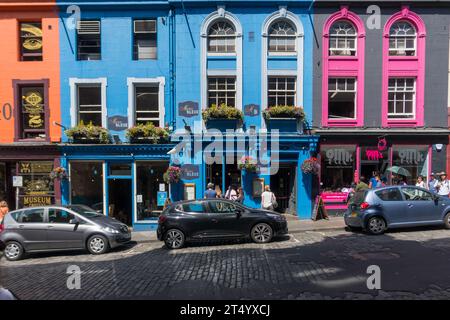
[[93, 85], [234, 37], [355, 90], [135, 35], [286, 37], [77, 37], [218, 91], [21, 53], [404, 37], [18, 126], [346, 38], [413, 113], [277, 90]]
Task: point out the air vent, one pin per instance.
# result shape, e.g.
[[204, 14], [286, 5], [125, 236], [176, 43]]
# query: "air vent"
[[88, 27], [145, 26]]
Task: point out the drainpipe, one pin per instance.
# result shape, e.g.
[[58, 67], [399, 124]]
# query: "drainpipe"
[[172, 61]]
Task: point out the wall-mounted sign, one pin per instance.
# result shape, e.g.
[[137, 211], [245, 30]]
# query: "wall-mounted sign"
[[37, 201], [189, 191], [339, 157], [118, 123], [411, 156], [373, 155], [35, 167], [251, 110], [258, 187], [188, 109], [17, 181], [190, 172]]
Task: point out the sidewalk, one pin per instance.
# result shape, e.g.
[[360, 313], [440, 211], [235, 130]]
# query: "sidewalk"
[[294, 225]]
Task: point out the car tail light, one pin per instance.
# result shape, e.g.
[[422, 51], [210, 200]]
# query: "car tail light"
[[2, 227], [364, 205], [162, 219]]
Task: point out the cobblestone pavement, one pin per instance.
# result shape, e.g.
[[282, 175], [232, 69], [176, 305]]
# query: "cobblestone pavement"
[[308, 265]]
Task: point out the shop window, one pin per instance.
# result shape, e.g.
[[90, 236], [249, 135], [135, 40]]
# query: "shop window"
[[151, 190], [38, 188], [402, 39], [146, 99], [338, 167], [88, 40], [86, 184], [341, 98], [31, 41], [222, 90], [342, 39], [401, 98], [120, 169], [414, 159], [144, 39], [89, 104], [32, 123], [282, 37], [222, 38], [282, 91]]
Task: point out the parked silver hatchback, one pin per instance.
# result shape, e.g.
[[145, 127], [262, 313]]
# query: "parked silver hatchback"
[[55, 228]]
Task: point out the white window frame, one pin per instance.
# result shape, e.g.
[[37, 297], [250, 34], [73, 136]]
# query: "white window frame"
[[282, 91], [294, 37], [220, 14], [131, 83], [404, 37], [355, 102], [74, 83], [347, 37], [216, 91], [282, 13], [414, 92], [233, 36]]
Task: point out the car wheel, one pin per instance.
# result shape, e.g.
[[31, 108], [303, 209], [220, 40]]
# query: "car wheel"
[[174, 239], [13, 251], [447, 221], [376, 225], [97, 244], [261, 233]]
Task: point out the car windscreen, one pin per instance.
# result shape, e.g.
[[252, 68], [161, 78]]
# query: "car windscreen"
[[85, 211]]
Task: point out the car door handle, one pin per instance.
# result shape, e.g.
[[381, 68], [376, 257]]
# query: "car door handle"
[[21, 226], [410, 205], [215, 220]]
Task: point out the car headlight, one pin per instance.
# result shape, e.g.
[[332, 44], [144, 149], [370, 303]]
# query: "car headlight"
[[110, 230], [277, 217]]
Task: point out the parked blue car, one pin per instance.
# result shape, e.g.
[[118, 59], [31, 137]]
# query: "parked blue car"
[[377, 210]]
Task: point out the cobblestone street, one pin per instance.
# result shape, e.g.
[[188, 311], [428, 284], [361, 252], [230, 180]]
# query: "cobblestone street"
[[306, 265]]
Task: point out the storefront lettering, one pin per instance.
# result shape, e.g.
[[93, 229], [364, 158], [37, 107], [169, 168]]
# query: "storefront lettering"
[[374, 155], [37, 201], [411, 156], [6, 112], [339, 157]]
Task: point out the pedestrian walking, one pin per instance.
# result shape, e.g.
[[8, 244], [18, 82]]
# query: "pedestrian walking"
[[443, 185], [231, 193], [268, 199], [210, 193], [362, 185], [240, 197], [373, 181], [3, 209]]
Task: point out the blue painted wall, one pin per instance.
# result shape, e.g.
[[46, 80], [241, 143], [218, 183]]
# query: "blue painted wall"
[[117, 62]]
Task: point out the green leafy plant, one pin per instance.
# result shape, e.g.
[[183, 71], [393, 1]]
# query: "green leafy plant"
[[88, 132], [148, 131], [222, 111], [277, 112]]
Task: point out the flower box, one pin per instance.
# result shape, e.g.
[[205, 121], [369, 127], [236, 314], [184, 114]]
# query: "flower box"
[[285, 124], [223, 124]]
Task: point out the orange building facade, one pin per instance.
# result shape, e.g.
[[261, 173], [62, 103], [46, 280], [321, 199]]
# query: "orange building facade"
[[29, 102]]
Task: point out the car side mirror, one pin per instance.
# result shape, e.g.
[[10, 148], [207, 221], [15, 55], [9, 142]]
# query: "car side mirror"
[[238, 212]]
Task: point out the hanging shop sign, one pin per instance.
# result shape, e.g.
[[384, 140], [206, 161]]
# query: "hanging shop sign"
[[188, 109], [118, 123], [251, 110]]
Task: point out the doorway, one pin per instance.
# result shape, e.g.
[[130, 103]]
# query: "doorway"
[[215, 173], [120, 200], [284, 186]]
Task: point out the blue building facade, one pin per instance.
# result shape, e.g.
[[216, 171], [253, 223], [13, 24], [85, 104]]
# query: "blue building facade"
[[129, 62]]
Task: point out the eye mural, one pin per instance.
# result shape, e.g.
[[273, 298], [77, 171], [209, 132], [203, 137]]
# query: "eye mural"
[[31, 41]]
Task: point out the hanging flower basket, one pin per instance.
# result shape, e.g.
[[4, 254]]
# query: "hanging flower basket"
[[248, 164], [58, 173], [311, 166], [172, 175]]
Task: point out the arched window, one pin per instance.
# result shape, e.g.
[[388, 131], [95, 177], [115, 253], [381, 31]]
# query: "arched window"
[[222, 38], [282, 37], [402, 39], [342, 39]]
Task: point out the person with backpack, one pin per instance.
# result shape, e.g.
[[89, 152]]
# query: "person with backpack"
[[268, 199]]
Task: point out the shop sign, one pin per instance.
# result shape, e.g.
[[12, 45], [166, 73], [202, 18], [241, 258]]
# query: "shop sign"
[[35, 167], [339, 157], [37, 201], [373, 155], [162, 197], [190, 172], [118, 123], [251, 110], [188, 109], [33, 102], [411, 156]]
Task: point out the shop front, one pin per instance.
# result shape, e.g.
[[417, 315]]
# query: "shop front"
[[25, 175], [345, 160], [125, 182]]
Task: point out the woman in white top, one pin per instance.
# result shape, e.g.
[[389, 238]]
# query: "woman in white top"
[[443, 185], [268, 199], [420, 183]]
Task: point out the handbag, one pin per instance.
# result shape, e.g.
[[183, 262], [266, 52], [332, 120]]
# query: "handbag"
[[274, 201]]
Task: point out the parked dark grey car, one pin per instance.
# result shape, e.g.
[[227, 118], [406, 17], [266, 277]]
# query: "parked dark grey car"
[[376, 210], [55, 228]]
